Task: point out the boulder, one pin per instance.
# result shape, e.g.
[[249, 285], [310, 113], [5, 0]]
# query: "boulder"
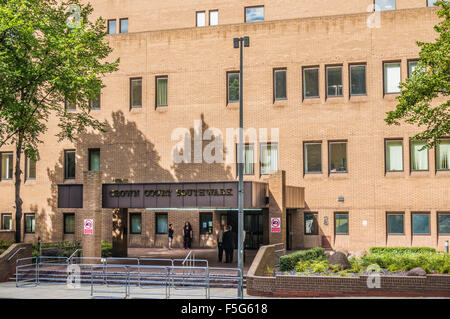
[[342, 250], [416, 272], [339, 258]]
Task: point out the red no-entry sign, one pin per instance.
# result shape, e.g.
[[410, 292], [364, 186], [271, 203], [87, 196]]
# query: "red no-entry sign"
[[275, 225], [88, 226]]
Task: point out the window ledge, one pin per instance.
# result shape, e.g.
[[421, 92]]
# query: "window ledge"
[[312, 100], [280, 103], [162, 109]]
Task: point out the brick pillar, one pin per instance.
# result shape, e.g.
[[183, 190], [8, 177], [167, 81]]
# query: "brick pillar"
[[119, 233], [92, 203], [277, 205]]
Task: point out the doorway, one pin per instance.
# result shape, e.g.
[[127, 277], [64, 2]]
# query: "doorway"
[[252, 225]]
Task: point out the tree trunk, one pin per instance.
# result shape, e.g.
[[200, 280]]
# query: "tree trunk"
[[17, 185]]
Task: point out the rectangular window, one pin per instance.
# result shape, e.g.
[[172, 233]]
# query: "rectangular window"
[[69, 223], [254, 14], [392, 77], [94, 159], [248, 159], [269, 158], [201, 17], [444, 223], [312, 157], [94, 104], [358, 80], [69, 106], [337, 157], [213, 17], [7, 221], [69, 164], [412, 66], [431, 3], [161, 91], [421, 224], [206, 223], [310, 83], [334, 81], [136, 92], [232, 87], [30, 168], [341, 223], [112, 26], [30, 223], [135, 223], [442, 155], [7, 165], [394, 155], [123, 28], [419, 157], [395, 224], [382, 5], [311, 225], [161, 223], [279, 84]]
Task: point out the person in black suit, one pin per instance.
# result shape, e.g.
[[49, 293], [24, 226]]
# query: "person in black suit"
[[228, 245]]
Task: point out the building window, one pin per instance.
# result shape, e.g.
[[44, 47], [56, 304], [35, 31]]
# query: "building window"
[[312, 157], [206, 223], [248, 167], [341, 223], [123, 28], [7, 221], [30, 223], [69, 164], [69, 106], [395, 224], [30, 168], [419, 156], [161, 223], [392, 77], [444, 223], [394, 155], [213, 17], [412, 66], [112, 26], [136, 223], [431, 3], [254, 14], [201, 17], [7, 165], [310, 83], [442, 155], [161, 91], [269, 158], [233, 87], [136, 92], [279, 84], [334, 81], [358, 80], [311, 225], [421, 224], [337, 157], [94, 159], [69, 223], [94, 104], [382, 5]]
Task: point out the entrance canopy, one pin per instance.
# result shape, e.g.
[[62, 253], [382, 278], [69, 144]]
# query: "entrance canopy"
[[183, 195]]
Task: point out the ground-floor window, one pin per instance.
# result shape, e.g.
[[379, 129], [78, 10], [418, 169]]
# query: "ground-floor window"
[[444, 223], [30, 223], [206, 223], [135, 223], [311, 225], [161, 223], [395, 224], [341, 223], [6, 221], [69, 223], [421, 224]]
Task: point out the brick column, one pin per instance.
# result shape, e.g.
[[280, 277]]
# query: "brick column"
[[119, 232], [92, 203], [277, 205]]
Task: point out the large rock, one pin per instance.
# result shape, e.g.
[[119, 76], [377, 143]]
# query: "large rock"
[[416, 272], [342, 250], [339, 258]]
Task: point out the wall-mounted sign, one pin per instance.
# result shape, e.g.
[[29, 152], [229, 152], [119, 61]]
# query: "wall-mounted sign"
[[275, 225], [88, 226]]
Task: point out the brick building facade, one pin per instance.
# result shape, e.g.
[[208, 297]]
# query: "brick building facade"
[[354, 200]]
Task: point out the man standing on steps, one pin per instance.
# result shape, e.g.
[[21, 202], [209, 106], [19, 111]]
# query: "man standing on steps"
[[228, 245]]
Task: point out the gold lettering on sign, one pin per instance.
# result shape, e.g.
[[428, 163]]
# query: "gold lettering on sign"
[[168, 192]]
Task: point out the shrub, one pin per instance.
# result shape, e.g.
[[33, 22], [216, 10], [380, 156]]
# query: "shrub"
[[401, 250], [106, 249], [289, 262], [314, 265]]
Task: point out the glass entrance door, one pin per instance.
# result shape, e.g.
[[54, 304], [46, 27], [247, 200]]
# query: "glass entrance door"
[[252, 226]]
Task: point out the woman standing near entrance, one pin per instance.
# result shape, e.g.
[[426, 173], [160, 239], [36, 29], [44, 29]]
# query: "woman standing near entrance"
[[187, 230]]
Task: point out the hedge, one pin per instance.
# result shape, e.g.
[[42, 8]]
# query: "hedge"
[[401, 250], [106, 249], [288, 262]]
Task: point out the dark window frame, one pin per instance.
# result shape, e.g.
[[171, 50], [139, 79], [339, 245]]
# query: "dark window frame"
[[260, 156], [237, 161], [437, 221], [133, 214], [64, 223], [348, 223], [120, 25], [27, 176], [412, 223], [131, 93], [91, 103], [384, 76], [159, 77], [275, 70], [326, 80], [407, 64], [200, 223], [304, 157], [3, 222], [316, 220], [209, 17], [395, 4], [436, 157], [313, 67], [250, 7], [387, 223], [385, 155], [156, 223], [428, 5], [228, 86], [410, 159], [75, 165], [364, 64], [196, 18], [107, 26], [329, 156], [90, 150], [1, 168], [25, 223]]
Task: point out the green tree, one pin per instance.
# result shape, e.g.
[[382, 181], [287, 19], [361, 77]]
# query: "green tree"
[[50, 53], [428, 86]]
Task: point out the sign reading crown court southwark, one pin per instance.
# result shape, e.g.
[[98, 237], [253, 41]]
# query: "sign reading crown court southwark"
[[175, 195]]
